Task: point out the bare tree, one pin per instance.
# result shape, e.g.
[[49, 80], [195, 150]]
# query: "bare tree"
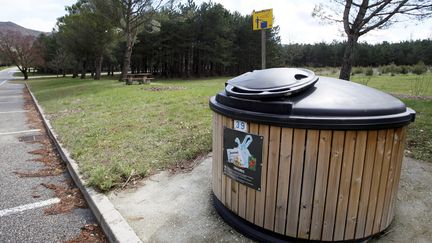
[[19, 50], [361, 16]]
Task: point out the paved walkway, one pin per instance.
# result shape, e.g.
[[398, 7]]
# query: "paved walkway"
[[23, 199]]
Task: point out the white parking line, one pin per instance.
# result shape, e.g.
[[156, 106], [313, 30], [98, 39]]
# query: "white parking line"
[[9, 211], [3, 82], [7, 102], [18, 132], [6, 112]]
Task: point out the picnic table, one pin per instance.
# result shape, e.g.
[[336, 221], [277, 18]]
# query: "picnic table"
[[142, 78]]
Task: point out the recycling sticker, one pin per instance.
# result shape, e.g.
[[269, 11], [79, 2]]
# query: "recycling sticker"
[[242, 157]]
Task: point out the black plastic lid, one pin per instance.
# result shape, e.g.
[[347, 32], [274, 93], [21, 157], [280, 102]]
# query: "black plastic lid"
[[325, 104], [271, 83]]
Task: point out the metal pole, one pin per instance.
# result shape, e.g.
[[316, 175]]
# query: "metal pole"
[[263, 49]]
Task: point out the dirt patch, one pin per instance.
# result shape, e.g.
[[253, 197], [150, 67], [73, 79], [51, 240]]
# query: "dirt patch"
[[70, 198], [186, 165], [412, 97], [90, 233], [165, 88]]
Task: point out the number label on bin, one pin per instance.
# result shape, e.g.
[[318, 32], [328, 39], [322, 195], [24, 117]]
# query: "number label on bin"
[[242, 157], [240, 126]]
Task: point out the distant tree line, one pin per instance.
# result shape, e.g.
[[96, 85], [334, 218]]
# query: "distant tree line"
[[330, 55], [178, 41], [183, 40]]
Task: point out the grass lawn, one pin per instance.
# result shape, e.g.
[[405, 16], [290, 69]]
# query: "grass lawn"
[[4, 67], [398, 84], [115, 131]]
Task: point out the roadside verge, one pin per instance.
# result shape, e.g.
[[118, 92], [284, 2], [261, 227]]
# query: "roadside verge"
[[111, 221]]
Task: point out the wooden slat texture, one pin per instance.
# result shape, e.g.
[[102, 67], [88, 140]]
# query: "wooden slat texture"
[[307, 193], [223, 176], [391, 176], [383, 181], [260, 195], [333, 184], [356, 182], [283, 180], [295, 179], [345, 183], [242, 200], [242, 195], [366, 183], [228, 189], [215, 160], [250, 206], [373, 196], [321, 184], [397, 176], [272, 177]]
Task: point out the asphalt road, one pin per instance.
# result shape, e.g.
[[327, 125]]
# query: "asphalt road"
[[23, 200]]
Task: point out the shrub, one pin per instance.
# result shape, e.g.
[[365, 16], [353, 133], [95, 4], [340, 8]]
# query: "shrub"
[[369, 71], [357, 70], [420, 86], [419, 68], [404, 69]]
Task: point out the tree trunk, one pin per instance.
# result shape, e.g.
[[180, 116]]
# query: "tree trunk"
[[98, 66], [83, 70], [25, 74], [348, 57], [127, 56]]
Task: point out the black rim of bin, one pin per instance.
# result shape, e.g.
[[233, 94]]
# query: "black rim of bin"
[[299, 99]]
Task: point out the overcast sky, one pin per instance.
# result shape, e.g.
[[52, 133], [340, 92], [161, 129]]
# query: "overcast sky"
[[292, 16]]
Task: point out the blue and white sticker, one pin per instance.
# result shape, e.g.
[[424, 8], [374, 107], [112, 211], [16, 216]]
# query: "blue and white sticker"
[[240, 126]]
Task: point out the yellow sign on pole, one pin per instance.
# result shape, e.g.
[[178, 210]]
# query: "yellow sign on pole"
[[262, 19]]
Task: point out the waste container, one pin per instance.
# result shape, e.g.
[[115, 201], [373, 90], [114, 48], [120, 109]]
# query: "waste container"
[[297, 156]]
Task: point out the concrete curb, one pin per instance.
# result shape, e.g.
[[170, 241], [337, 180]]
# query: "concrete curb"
[[112, 222]]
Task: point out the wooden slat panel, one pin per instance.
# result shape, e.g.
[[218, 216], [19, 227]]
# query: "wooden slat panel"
[[295, 179], [228, 187], [307, 193], [223, 176], [366, 183], [234, 195], [242, 195], [219, 154], [397, 176], [383, 181], [345, 183], [321, 184], [272, 177], [356, 182], [283, 180], [215, 160], [260, 195], [250, 206], [333, 185], [391, 176], [373, 197]]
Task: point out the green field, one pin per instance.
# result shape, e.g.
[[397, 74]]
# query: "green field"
[[115, 131]]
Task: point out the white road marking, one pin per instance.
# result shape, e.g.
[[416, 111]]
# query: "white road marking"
[[22, 208], [3, 82], [18, 132], [7, 102], [6, 112]]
